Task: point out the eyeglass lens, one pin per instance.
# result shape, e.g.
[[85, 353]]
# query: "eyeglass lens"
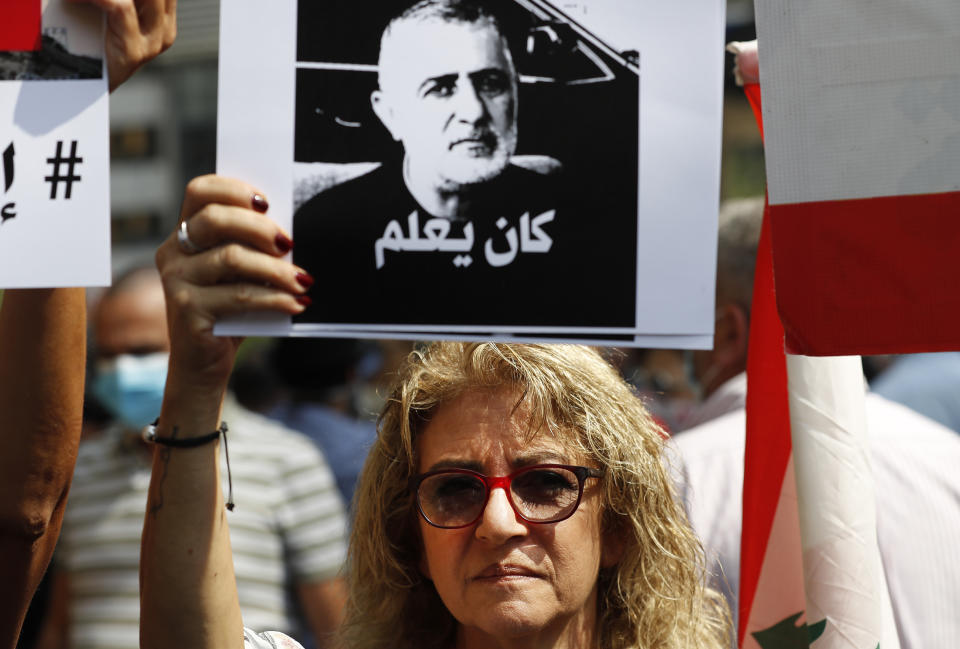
[[539, 495]]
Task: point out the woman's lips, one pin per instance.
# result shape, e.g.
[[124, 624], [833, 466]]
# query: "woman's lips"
[[504, 571]]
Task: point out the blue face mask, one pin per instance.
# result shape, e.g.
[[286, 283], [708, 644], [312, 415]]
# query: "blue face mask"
[[131, 387]]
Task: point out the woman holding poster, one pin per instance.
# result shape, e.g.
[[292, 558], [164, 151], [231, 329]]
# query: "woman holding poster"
[[516, 494]]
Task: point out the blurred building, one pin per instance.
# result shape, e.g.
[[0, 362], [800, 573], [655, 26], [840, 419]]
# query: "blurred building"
[[742, 172], [163, 132]]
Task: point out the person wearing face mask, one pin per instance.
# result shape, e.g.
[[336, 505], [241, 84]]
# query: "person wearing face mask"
[[282, 546], [130, 386], [131, 350]]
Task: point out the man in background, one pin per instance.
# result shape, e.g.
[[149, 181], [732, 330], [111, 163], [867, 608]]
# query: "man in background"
[[287, 531], [914, 463], [927, 383], [317, 377]]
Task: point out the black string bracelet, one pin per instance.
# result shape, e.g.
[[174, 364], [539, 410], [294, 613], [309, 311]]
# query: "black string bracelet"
[[150, 435]]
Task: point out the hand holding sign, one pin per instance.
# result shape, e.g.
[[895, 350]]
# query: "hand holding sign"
[[137, 31], [230, 263]]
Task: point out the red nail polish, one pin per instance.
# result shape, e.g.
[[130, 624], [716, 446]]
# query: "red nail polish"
[[259, 203], [304, 300], [304, 280], [283, 243]]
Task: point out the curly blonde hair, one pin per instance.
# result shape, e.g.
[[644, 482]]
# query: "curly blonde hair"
[[655, 597]]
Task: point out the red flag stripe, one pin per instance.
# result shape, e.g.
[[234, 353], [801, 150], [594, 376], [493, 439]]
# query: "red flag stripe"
[[768, 429], [752, 91], [20, 27], [768, 443], [869, 276]]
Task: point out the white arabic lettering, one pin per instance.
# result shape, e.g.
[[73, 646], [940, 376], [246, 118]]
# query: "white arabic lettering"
[[498, 259], [392, 239], [532, 239], [541, 241], [435, 238]]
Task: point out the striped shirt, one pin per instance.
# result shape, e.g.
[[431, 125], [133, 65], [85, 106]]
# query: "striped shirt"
[[289, 527]]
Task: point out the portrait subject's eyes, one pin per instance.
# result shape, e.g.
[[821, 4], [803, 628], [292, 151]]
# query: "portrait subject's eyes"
[[441, 87], [491, 83]]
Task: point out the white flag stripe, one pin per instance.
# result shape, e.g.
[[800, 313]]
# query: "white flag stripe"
[[861, 98], [779, 592], [843, 574]]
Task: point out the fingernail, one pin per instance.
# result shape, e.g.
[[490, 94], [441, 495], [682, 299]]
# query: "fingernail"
[[259, 203], [304, 300], [304, 280], [283, 243]]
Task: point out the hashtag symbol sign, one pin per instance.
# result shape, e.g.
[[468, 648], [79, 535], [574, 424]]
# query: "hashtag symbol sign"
[[57, 161]]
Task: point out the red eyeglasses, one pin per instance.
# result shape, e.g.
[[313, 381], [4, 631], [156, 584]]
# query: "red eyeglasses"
[[542, 493]]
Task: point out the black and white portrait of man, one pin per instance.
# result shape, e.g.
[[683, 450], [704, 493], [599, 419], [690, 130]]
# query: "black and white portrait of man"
[[456, 114], [439, 200]]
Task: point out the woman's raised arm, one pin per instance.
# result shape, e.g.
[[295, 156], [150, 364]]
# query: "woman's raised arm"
[[230, 263], [137, 31]]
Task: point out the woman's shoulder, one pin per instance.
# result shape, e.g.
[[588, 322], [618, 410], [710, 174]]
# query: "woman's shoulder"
[[268, 640]]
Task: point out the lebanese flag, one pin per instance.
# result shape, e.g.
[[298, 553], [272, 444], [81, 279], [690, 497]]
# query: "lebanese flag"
[[771, 600], [810, 566], [20, 27], [862, 114]]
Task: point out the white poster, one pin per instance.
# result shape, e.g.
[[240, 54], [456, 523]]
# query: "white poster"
[[505, 168], [54, 151]]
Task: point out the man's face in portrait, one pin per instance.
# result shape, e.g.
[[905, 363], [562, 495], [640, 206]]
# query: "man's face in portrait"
[[448, 92]]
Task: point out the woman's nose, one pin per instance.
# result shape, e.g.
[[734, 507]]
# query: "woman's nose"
[[499, 521]]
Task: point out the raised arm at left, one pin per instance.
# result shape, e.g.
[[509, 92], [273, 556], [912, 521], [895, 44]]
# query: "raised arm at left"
[[137, 31], [42, 353]]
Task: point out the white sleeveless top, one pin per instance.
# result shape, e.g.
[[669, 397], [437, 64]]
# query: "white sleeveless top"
[[268, 640]]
